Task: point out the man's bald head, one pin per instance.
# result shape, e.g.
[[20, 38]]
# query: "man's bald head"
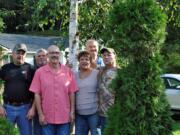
[[54, 55], [92, 47], [53, 48], [91, 42]]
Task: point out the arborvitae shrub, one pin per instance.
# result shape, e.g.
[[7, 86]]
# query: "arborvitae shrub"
[[136, 29], [7, 128]]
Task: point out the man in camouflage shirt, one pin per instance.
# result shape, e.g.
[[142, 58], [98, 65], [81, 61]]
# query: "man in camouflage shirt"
[[106, 75]]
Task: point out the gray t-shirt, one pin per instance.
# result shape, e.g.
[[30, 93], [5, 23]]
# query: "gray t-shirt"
[[86, 96]]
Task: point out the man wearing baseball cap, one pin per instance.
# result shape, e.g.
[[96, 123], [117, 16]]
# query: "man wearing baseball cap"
[[19, 47], [106, 49], [106, 94], [17, 98]]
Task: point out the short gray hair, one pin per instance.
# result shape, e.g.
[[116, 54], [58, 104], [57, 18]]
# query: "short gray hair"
[[40, 50]]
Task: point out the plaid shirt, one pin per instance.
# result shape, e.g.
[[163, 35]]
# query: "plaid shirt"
[[106, 95]]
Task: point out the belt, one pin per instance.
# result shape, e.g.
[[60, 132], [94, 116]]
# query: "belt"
[[16, 103]]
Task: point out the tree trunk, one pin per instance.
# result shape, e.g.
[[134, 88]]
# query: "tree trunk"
[[73, 34]]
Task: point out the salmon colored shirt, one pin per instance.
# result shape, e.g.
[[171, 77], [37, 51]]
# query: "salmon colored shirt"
[[54, 89]]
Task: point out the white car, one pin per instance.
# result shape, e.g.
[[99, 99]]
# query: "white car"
[[172, 83]]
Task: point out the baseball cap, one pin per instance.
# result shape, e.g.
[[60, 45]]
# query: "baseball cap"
[[21, 46], [106, 49]]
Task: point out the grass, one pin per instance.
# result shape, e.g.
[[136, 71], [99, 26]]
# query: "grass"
[[176, 127]]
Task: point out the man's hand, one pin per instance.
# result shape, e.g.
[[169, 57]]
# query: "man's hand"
[[42, 119], [72, 116], [31, 113], [69, 64], [2, 111]]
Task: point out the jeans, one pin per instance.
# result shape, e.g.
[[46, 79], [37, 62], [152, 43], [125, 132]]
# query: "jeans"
[[56, 129], [102, 123], [37, 128], [18, 115], [84, 123]]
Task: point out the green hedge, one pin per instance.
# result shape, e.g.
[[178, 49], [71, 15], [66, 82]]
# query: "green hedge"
[[137, 31], [7, 128]]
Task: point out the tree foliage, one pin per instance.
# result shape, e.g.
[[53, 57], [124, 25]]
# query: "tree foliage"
[[1, 24], [171, 7], [53, 15], [171, 55], [47, 14], [92, 17], [171, 49], [136, 29], [12, 14]]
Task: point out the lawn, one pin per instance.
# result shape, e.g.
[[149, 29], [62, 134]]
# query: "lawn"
[[176, 130], [176, 127]]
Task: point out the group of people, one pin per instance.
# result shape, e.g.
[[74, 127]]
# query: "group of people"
[[47, 98]]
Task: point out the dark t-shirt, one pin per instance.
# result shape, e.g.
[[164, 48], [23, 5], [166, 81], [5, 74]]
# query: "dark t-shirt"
[[17, 80]]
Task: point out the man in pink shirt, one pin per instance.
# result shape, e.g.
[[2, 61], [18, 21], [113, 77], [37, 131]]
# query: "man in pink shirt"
[[54, 86]]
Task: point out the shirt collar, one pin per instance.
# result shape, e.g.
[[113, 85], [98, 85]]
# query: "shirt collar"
[[48, 68]]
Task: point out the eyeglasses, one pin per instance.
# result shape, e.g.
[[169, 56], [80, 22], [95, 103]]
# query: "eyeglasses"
[[57, 53]]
